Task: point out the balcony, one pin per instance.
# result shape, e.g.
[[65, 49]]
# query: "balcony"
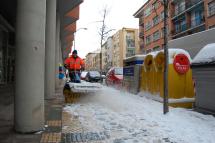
[[193, 3], [141, 34], [141, 21], [196, 25], [180, 28], [197, 21], [187, 7]]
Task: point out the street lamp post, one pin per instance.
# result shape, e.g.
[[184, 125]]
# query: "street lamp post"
[[76, 32]]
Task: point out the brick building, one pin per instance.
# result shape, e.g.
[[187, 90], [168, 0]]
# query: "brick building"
[[185, 17]]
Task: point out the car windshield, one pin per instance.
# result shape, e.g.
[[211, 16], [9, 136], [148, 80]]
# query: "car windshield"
[[119, 71], [94, 73]]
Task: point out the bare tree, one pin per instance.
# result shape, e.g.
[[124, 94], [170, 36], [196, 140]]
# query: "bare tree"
[[103, 31]]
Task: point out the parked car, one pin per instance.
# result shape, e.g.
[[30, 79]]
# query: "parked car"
[[114, 76], [93, 76], [83, 75]]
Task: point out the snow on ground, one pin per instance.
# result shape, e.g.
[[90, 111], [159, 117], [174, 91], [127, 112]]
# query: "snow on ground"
[[131, 118]]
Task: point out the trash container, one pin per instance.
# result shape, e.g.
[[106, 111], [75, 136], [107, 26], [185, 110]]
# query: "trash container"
[[131, 73], [203, 67], [180, 83]]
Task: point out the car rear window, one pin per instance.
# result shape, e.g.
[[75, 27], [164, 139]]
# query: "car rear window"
[[119, 71], [94, 73]]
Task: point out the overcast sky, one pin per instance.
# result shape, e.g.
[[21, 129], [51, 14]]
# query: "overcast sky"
[[120, 15]]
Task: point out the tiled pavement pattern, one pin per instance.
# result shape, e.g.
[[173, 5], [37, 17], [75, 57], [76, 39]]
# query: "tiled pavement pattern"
[[54, 123], [74, 132], [53, 114], [50, 137]]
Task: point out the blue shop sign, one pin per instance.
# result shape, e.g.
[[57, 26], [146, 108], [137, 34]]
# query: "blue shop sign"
[[128, 71]]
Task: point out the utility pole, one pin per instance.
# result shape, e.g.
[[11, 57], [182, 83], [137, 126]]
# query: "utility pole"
[[166, 57], [102, 38]]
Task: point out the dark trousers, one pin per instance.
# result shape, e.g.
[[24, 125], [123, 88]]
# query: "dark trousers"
[[75, 76]]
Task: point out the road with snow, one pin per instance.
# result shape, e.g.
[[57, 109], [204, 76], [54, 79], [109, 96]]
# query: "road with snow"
[[114, 116]]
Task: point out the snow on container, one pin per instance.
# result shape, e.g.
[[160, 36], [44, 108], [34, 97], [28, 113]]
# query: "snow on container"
[[180, 84], [131, 73], [203, 67]]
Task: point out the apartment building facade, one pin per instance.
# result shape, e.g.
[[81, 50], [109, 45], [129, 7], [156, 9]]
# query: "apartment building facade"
[[185, 17], [96, 62], [151, 26], [107, 54], [210, 13], [89, 61], [191, 16], [125, 44]]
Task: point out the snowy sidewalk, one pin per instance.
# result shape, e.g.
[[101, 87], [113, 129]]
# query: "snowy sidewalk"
[[113, 116]]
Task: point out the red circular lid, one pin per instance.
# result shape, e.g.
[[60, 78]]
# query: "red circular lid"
[[181, 63]]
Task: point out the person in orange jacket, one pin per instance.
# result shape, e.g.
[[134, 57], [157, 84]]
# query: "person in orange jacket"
[[75, 65]]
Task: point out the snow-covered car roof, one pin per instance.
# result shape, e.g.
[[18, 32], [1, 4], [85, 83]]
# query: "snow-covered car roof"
[[206, 55]]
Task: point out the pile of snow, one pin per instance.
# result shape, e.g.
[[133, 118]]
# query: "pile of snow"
[[131, 118], [205, 55]]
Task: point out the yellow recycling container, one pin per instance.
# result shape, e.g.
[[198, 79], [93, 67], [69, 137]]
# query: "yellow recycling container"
[[159, 68], [148, 64], [181, 88], [180, 84]]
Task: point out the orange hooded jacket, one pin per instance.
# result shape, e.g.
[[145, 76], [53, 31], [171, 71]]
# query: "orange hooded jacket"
[[74, 63]]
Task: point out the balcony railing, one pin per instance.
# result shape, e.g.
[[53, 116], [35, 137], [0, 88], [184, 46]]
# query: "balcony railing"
[[141, 21], [192, 3], [181, 9], [187, 27], [197, 21], [181, 28]]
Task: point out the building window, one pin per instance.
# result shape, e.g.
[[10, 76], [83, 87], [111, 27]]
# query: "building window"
[[180, 25], [147, 11], [179, 7], [155, 20], [162, 15], [148, 39], [148, 25], [211, 8], [197, 18], [155, 5], [156, 35], [130, 42]]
